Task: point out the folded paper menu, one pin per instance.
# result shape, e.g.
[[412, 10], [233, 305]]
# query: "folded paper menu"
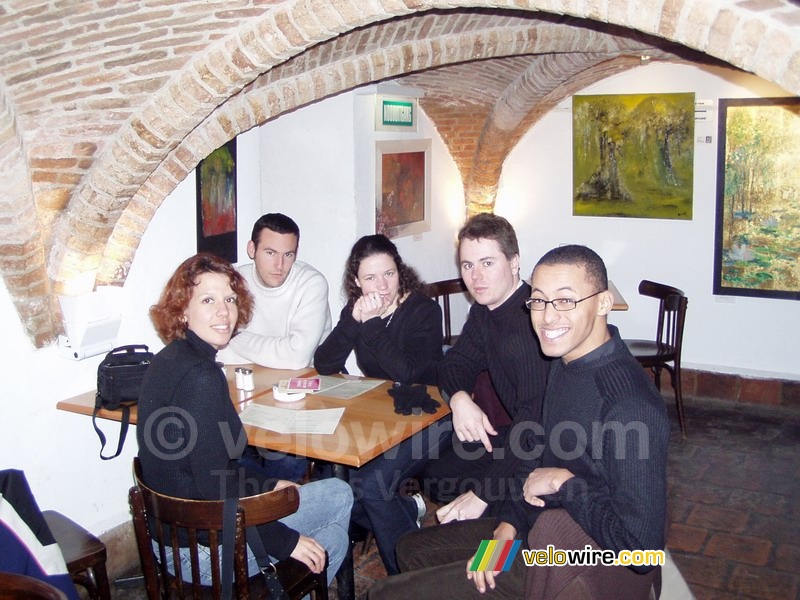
[[282, 420], [296, 385]]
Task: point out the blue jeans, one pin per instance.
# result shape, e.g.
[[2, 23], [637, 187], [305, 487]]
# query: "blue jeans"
[[324, 515], [377, 505]]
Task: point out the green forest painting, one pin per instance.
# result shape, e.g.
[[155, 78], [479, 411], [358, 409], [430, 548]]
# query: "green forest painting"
[[758, 198], [633, 155]]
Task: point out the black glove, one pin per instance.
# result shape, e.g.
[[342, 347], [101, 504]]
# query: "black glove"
[[412, 399]]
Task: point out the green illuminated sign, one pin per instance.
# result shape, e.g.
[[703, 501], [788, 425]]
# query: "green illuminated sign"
[[397, 113]]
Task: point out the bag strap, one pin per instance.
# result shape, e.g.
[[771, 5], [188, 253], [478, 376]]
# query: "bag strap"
[[123, 428], [265, 565], [228, 538]]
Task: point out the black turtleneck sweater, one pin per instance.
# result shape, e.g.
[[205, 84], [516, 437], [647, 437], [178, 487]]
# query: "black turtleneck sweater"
[[502, 342], [190, 435], [606, 423]]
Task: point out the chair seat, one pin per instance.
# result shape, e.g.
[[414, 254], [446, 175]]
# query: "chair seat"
[[292, 573], [648, 350], [83, 553], [15, 586]]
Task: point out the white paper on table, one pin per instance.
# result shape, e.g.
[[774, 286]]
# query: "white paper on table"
[[346, 389], [282, 420]]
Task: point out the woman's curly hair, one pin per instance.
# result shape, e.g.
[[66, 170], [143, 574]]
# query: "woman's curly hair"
[[370, 245], [167, 315]]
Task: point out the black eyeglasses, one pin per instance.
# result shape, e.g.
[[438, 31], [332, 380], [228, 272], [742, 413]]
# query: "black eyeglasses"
[[560, 304]]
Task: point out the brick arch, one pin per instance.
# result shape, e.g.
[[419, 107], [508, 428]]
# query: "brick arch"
[[127, 182], [21, 247], [284, 89]]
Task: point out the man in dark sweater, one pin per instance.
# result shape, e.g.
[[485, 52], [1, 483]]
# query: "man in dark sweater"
[[602, 458], [497, 337]]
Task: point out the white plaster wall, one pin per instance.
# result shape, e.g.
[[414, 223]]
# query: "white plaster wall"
[[723, 333], [318, 167]]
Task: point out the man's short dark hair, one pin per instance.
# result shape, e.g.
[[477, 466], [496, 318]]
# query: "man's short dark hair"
[[581, 256], [277, 222], [487, 226]]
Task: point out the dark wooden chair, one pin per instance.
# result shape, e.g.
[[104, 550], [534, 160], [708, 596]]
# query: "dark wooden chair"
[[205, 518], [441, 292], [84, 554], [664, 352], [15, 586]]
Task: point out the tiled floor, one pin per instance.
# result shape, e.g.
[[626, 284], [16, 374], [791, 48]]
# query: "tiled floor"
[[734, 502]]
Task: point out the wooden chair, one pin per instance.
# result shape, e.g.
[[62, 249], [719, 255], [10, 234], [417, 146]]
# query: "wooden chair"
[[15, 586], [84, 554], [664, 352], [205, 518], [441, 292]]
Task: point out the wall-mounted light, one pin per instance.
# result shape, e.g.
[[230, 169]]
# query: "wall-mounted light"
[[91, 321]]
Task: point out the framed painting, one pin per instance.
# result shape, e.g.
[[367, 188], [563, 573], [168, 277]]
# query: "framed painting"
[[757, 249], [633, 155], [216, 202], [402, 195]]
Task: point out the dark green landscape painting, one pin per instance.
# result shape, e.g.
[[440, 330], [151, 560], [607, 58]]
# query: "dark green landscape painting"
[[633, 155], [758, 198]]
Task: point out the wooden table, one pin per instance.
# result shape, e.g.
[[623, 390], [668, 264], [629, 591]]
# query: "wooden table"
[[368, 428]]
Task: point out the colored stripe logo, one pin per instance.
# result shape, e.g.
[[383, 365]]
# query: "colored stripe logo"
[[494, 555]]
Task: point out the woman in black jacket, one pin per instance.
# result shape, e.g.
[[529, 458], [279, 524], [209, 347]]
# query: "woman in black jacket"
[[396, 333], [190, 435]]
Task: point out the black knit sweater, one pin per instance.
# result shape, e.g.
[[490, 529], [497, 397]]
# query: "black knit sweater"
[[406, 348], [190, 436], [500, 341], [606, 423]]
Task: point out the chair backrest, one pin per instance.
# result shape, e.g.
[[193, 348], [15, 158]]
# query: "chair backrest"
[[441, 292], [171, 522], [15, 586], [671, 313]]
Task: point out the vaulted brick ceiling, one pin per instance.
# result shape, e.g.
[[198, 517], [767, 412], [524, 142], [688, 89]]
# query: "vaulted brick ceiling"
[[106, 105]]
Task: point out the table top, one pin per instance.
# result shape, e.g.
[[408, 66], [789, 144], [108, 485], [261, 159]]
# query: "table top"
[[368, 428]]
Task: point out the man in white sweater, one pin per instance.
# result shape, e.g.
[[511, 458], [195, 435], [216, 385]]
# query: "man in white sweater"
[[290, 320], [292, 315]]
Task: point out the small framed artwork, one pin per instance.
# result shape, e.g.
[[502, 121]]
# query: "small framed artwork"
[[216, 202], [757, 247], [402, 197]]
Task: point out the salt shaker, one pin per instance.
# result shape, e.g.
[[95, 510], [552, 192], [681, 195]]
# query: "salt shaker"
[[237, 374], [247, 380]]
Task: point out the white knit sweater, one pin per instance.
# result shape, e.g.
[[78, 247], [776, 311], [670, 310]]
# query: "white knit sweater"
[[288, 323]]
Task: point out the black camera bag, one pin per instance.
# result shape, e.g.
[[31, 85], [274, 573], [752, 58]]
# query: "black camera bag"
[[119, 377]]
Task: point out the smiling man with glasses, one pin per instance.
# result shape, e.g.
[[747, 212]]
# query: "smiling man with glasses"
[[596, 478]]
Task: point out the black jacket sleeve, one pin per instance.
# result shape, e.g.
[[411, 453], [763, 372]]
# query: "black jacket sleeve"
[[331, 355]]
